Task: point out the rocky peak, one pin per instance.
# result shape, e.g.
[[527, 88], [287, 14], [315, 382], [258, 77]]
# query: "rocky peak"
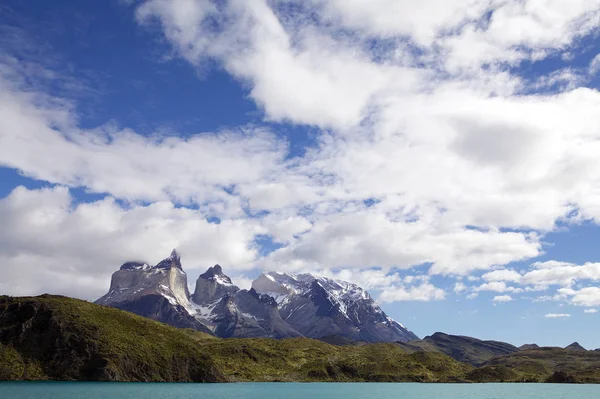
[[216, 274], [173, 261], [213, 285], [135, 265], [318, 306], [575, 347]]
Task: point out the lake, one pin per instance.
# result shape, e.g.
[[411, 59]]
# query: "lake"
[[91, 390]]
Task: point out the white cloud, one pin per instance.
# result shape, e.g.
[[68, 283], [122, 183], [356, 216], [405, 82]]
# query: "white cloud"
[[453, 152], [128, 165], [369, 239], [50, 244], [503, 275], [423, 292], [497, 286], [560, 273], [588, 296], [459, 288], [557, 315], [591, 311], [502, 299]]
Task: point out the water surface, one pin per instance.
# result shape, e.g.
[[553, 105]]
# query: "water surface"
[[96, 390]]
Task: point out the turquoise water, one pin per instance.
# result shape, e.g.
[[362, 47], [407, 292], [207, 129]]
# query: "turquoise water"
[[85, 390]]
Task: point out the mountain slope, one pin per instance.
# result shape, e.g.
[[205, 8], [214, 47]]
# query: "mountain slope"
[[552, 365], [464, 349], [575, 347], [528, 346], [158, 292], [278, 305], [318, 307], [67, 339], [61, 338], [231, 312]]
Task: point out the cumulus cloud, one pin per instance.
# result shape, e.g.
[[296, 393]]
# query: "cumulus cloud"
[[126, 164], [590, 311], [588, 296], [430, 155], [423, 292], [502, 275], [459, 288], [502, 299], [48, 243], [561, 273]]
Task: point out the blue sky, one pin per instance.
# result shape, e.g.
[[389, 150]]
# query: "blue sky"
[[446, 161]]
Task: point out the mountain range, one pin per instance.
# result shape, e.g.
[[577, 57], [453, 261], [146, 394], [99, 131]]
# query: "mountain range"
[[58, 338], [279, 305]]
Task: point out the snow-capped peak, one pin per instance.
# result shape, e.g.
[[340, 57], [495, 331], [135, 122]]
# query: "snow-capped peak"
[[216, 274], [174, 260], [284, 283]]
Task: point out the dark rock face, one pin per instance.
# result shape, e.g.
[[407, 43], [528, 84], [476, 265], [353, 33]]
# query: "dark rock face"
[[158, 292], [561, 377], [157, 307], [278, 305], [50, 332], [172, 261], [317, 307], [41, 335], [247, 314], [135, 265], [213, 285]]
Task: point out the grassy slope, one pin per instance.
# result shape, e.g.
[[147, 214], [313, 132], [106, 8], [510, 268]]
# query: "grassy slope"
[[72, 339], [52, 337], [302, 359], [540, 364], [464, 349]]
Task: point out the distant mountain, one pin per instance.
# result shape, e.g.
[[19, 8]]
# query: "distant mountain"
[[528, 346], [158, 292], [575, 347], [464, 349], [318, 307], [278, 305]]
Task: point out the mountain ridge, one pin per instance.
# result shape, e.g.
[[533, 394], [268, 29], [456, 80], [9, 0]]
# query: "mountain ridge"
[[278, 305]]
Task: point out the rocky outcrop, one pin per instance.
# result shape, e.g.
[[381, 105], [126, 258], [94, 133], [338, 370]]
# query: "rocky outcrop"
[[213, 285], [278, 305], [159, 292], [250, 314], [318, 307]]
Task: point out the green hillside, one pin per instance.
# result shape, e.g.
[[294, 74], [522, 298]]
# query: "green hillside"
[[67, 339], [61, 338], [58, 338], [552, 364], [464, 349]]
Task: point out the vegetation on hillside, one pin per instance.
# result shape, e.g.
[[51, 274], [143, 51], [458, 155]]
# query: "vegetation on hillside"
[[552, 365], [58, 338], [464, 349]]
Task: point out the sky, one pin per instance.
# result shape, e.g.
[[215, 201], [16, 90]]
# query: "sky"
[[442, 154]]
